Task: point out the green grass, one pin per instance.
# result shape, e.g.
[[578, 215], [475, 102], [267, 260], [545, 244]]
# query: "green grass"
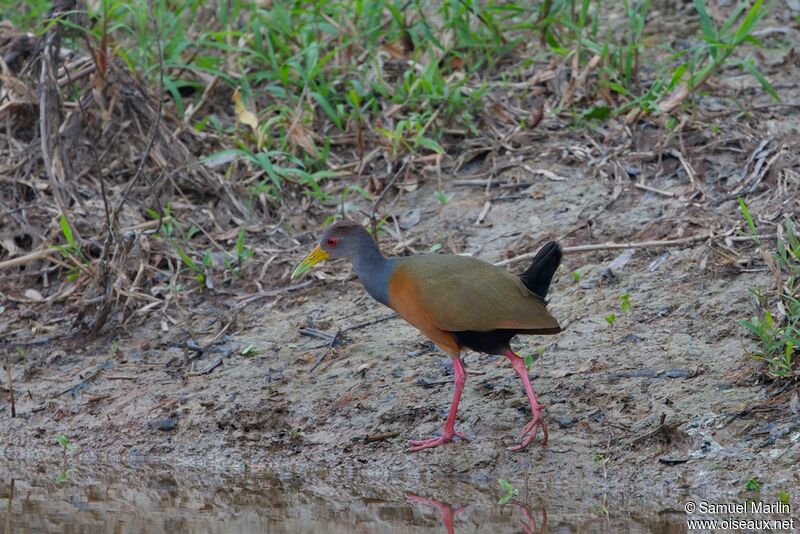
[[776, 327], [509, 491], [296, 81], [670, 75], [310, 71]]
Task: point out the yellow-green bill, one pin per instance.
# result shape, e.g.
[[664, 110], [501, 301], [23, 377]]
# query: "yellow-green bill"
[[314, 257]]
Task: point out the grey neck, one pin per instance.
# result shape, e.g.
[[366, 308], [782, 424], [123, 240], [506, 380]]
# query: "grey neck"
[[374, 270]]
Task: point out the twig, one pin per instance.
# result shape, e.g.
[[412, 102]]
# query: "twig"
[[645, 187], [687, 167], [47, 92], [377, 203], [84, 381], [315, 333], [330, 349], [11, 386], [252, 298], [272, 293], [382, 436], [46, 253], [213, 365], [660, 429], [104, 280], [156, 123], [95, 160], [640, 244], [370, 322], [490, 183], [193, 111], [9, 509], [484, 212]]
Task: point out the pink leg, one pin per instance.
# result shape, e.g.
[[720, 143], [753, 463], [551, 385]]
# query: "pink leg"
[[532, 428], [449, 426], [530, 526], [447, 511]]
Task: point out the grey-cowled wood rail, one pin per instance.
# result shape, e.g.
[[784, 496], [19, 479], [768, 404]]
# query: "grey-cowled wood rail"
[[457, 302]]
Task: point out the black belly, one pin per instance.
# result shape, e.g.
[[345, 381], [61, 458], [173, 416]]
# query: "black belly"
[[492, 342]]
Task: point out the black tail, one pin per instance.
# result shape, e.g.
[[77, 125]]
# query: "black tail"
[[538, 276]]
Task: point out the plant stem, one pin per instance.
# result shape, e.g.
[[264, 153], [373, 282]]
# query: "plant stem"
[[11, 386]]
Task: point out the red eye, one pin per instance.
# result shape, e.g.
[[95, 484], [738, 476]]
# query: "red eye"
[[331, 241]]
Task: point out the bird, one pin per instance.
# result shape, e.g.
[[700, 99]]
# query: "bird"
[[458, 302]]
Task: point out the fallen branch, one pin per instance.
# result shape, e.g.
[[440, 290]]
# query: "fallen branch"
[[640, 244], [271, 293], [46, 253]]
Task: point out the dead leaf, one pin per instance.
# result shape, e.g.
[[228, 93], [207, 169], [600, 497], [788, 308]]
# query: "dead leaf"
[[674, 99], [456, 63], [589, 366], [33, 295], [397, 49], [244, 115], [301, 136], [409, 218]]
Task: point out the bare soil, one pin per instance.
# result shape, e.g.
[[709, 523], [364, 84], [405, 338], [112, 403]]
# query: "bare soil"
[[679, 355]]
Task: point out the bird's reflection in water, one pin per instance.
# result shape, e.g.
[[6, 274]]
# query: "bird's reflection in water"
[[448, 514], [529, 526]]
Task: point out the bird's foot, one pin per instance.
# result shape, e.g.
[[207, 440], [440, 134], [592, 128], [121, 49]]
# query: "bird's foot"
[[531, 430], [418, 445]]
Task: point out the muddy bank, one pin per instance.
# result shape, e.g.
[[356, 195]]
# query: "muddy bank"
[[251, 396], [667, 402]]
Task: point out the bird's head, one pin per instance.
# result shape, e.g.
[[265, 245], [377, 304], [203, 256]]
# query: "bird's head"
[[343, 239]]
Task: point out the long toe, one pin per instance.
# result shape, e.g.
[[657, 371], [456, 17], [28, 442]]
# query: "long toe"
[[418, 445], [529, 433]]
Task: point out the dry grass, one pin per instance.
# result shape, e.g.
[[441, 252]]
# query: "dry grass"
[[136, 177]]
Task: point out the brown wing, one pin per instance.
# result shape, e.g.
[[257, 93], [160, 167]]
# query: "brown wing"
[[469, 294]]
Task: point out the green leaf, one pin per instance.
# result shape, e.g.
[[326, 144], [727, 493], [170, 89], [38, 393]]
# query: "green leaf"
[[240, 242], [429, 144], [62, 440], [327, 108], [753, 16], [677, 75], [528, 360], [67, 230], [749, 219], [189, 262], [733, 16], [765, 83], [707, 24], [610, 319], [597, 112], [625, 303], [752, 485], [510, 491]]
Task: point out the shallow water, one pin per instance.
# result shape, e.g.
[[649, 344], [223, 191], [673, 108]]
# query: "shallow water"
[[156, 499]]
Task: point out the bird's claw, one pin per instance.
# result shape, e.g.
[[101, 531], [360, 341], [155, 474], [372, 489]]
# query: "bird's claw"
[[531, 430], [418, 445]]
